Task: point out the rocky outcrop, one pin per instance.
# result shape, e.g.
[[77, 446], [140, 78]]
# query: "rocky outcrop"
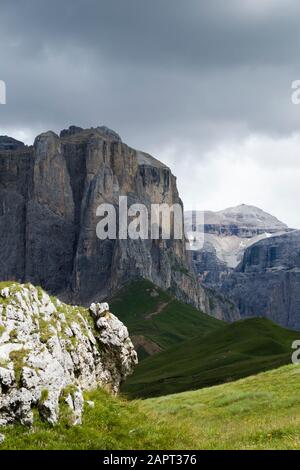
[[8, 143], [49, 194], [209, 267], [51, 352], [267, 281]]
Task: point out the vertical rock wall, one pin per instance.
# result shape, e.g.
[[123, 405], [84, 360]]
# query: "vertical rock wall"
[[49, 194]]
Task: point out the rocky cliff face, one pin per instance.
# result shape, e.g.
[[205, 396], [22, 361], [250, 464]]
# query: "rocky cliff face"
[[8, 143], [226, 235], [267, 281], [49, 194], [51, 352]]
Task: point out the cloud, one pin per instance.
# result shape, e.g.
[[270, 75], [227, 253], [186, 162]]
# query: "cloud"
[[177, 79], [257, 170]]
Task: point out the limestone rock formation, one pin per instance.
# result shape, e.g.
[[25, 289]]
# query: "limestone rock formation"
[[224, 236], [51, 352], [267, 281], [8, 143], [49, 194]]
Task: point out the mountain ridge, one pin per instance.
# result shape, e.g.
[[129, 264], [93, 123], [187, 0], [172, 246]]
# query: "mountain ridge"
[[266, 282], [228, 353], [224, 236], [55, 186], [244, 215]]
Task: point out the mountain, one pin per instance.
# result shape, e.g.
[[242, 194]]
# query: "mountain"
[[49, 195], [243, 220], [9, 143], [224, 236], [267, 281], [250, 257], [225, 354]]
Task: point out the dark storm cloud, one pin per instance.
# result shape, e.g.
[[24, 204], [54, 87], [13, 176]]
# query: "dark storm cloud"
[[153, 70], [162, 31], [204, 85]]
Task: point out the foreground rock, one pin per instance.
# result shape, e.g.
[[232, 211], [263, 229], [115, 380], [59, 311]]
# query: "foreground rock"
[[51, 352]]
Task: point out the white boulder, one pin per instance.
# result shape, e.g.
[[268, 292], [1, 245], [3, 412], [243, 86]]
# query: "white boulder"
[[51, 351]]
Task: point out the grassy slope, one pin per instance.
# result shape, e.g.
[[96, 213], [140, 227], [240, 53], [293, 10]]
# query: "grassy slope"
[[198, 350], [259, 412], [233, 351], [112, 424], [174, 323]]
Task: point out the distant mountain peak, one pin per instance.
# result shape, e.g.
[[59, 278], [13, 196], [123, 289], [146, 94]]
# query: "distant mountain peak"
[[9, 143], [228, 232], [243, 216]]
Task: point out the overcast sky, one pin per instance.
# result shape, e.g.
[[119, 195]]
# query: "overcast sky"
[[203, 85]]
